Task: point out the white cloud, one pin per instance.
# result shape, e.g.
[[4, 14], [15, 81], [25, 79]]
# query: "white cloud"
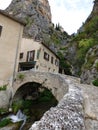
[[4, 3], [70, 13]]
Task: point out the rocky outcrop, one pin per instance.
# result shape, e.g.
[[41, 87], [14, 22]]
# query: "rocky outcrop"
[[35, 13], [90, 67]]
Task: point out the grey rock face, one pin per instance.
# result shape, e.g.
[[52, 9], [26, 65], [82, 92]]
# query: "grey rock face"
[[90, 68], [35, 13]]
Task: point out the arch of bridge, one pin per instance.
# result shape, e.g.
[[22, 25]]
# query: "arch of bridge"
[[54, 82]]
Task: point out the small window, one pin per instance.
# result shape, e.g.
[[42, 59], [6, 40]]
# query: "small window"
[[56, 62], [48, 69], [0, 30], [46, 56], [21, 55], [38, 53], [52, 60], [37, 67], [30, 55]]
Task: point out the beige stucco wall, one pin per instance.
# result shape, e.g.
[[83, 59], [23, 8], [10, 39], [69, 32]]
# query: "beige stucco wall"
[[43, 65], [28, 45], [9, 40]]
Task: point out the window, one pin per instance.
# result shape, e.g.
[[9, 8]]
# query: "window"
[[0, 30], [37, 67], [52, 60], [21, 55], [48, 69], [30, 55], [56, 62], [38, 53], [46, 56]]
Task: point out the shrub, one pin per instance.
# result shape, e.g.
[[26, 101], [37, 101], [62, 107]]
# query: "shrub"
[[5, 122], [3, 88], [3, 111], [90, 28], [45, 96], [22, 104], [17, 105], [95, 82], [27, 104], [97, 65], [21, 76]]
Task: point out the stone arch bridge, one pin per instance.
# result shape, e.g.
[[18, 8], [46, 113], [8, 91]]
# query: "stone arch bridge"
[[54, 82]]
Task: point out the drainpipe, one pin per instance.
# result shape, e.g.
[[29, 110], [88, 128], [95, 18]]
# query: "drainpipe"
[[16, 56]]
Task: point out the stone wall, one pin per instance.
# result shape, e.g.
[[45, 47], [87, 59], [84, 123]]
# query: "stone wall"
[[67, 115]]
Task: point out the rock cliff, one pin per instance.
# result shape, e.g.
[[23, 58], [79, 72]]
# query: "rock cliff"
[[81, 52], [90, 67], [35, 13]]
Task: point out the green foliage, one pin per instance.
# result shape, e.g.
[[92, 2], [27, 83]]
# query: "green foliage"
[[64, 64], [92, 25], [86, 40], [45, 96], [55, 38], [89, 63], [97, 66], [86, 43], [95, 82], [5, 122], [79, 36], [3, 111], [3, 88], [21, 104], [83, 46], [27, 104], [21, 76], [57, 27], [17, 105]]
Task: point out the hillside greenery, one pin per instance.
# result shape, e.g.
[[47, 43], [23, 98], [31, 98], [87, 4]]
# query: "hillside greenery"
[[86, 39]]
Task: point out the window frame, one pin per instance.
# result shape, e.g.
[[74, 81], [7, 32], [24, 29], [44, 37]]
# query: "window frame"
[[30, 55], [1, 29], [21, 55], [46, 56], [52, 60]]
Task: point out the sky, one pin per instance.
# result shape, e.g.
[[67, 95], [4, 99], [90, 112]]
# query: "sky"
[[70, 14]]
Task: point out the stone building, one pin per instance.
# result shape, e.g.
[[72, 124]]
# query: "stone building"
[[10, 38], [37, 55]]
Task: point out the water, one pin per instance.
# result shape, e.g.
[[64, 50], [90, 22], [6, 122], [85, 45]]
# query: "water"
[[18, 117]]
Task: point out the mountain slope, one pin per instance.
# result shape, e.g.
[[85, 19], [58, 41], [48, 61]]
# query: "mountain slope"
[[82, 52]]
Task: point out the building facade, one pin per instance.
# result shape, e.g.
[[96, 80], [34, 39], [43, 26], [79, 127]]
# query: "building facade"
[[37, 55], [10, 38]]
